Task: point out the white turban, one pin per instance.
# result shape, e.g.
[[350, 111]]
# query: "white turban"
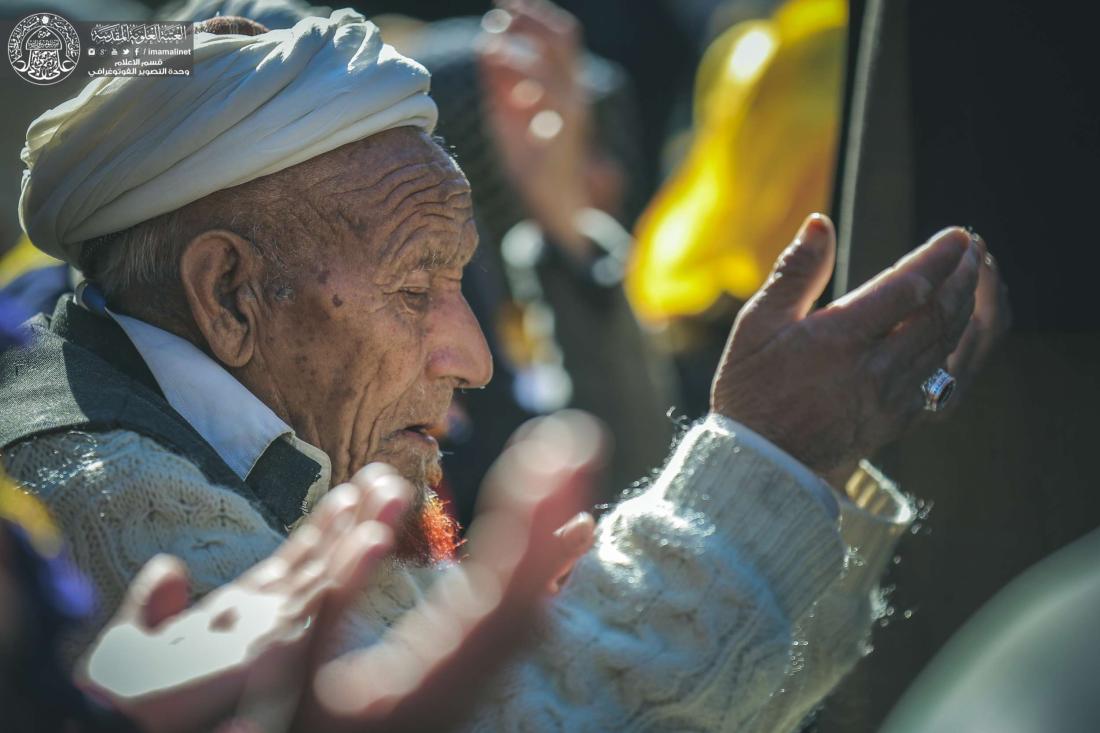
[[130, 148]]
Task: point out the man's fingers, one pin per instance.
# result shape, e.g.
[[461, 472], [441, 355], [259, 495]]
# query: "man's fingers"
[[418, 676], [966, 353], [312, 537], [542, 18], [935, 329], [336, 503], [386, 494], [573, 540], [377, 493], [992, 318], [359, 532], [875, 308], [922, 344], [359, 553], [545, 473], [797, 281], [943, 332], [576, 535], [802, 270], [504, 64], [160, 590], [355, 559], [556, 32]]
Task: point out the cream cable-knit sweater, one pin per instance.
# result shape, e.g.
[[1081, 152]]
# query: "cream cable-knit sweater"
[[725, 596]]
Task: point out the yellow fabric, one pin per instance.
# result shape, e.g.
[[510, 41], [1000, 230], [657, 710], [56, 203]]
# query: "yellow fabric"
[[21, 258], [21, 508], [767, 109]]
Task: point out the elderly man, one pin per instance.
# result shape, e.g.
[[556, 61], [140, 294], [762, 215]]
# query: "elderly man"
[[275, 248]]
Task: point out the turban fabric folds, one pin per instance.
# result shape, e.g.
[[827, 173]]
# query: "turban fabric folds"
[[128, 149]]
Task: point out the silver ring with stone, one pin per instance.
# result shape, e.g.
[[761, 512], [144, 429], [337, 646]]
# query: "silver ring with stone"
[[937, 390]]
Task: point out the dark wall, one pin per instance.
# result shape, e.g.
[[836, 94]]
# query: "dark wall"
[[985, 114]]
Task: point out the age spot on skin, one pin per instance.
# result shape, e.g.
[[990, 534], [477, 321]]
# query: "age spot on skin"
[[337, 300]]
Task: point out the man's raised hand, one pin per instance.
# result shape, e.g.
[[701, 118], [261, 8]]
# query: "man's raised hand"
[[833, 385], [173, 669], [435, 663], [255, 649]]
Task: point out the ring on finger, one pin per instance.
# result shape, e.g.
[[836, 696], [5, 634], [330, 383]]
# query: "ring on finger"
[[938, 390]]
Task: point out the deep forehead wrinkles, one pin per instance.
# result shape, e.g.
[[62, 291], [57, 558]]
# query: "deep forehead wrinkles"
[[397, 190], [426, 211]]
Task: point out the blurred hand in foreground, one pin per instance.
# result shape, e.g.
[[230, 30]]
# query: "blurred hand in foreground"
[[833, 385], [436, 662], [539, 115], [255, 648], [174, 668]]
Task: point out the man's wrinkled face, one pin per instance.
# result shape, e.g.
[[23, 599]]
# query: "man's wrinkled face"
[[375, 335]]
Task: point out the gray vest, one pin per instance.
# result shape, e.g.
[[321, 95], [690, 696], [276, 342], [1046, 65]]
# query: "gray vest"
[[80, 372]]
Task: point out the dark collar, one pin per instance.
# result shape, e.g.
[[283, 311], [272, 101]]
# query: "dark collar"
[[100, 335]]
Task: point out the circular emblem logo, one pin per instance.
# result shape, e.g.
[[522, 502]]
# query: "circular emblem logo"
[[44, 48]]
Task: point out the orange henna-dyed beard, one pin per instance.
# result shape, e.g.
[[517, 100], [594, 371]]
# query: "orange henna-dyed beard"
[[429, 534]]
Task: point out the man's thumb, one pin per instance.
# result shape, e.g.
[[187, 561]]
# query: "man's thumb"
[[159, 592], [800, 274], [572, 541]]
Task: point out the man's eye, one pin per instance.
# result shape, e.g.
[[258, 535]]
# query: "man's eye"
[[415, 297]]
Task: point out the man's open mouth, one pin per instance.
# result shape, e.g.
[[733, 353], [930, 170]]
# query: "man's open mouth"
[[421, 431]]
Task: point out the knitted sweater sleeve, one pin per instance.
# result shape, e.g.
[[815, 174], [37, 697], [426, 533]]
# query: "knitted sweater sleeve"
[[120, 498], [692, 612], [698, 608]]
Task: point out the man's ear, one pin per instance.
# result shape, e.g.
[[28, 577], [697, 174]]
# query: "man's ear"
[[219, 272]]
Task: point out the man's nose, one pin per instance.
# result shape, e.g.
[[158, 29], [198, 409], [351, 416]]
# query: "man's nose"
[[459, 350]]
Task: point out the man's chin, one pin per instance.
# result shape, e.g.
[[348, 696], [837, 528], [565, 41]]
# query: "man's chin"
[[428, 534], [419, 468]]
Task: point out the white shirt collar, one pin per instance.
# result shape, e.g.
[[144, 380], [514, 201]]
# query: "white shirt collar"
[[230, 418]]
